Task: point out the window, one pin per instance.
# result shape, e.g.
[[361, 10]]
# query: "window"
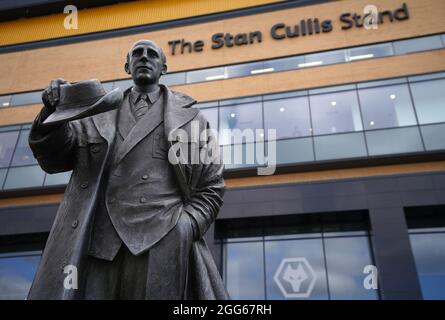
[[417, 44], [211, 114], [26, 98], [5, 101], [7, 145], [247, 117], [293, 150], [386, 107], [340, 146], [2, 177], [433, 136], [171, 79], [57, 178], [16, 274], [427, 236], [335, 113], [23, 154], [207, 75], [289, 117], [429, 100], [316, 256], [369, 52], [24, 177], [323, 58], [391, 141], [245, 275]]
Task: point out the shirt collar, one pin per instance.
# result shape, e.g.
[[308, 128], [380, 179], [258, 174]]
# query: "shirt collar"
[[152, 96]]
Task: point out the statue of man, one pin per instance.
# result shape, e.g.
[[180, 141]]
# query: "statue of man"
[[131, 223]]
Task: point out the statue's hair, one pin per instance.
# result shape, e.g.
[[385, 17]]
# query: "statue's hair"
[[164, 59]]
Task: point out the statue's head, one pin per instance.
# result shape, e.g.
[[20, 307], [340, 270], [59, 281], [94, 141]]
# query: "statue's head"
[[146, 62]]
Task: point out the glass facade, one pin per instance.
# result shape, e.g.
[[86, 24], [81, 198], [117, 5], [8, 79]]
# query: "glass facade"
[[427, 236], [18, 167], [294, 257], [16, 274], [370, 119]]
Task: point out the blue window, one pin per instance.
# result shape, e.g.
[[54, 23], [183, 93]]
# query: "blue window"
[[386, 107], [16, 274], [429, 100], [335, 113]]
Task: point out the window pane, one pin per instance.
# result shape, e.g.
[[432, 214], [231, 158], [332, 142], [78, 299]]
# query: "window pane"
[[309, 249], [211, 115], [123, 84], [418, 44], [379, 83], [171, 79], [368, 52], [24, 177], [10, 128], [243, 117], [57, 178], [340, 146], [390, 141], [23, 154], [331, 57], [243, 155], [108, 86], [26, 98], [429, 254], [247, 69], [433, 136], [429, 100], [244, 270], [2, 177], [289, 117], [335, 112], [7, 145], [5, 101], [16, 275], [206, 75], [284, 63], [387, 107], [345, 259], [293, 150]]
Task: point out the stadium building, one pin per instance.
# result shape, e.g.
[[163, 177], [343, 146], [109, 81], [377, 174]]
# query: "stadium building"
[[355, 208]]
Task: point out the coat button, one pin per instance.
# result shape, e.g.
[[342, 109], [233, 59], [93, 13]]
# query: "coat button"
[[143, 200], [95, 149], [144, 177], [75, 224], [111, 200], [84, 185]]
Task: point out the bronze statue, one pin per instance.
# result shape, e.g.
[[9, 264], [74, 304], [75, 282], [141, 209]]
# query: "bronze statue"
[[131, 222]]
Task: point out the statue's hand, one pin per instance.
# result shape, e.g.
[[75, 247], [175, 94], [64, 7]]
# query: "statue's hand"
[[50, 96]]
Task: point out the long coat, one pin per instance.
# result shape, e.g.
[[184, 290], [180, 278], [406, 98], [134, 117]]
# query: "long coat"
[[84, 147]]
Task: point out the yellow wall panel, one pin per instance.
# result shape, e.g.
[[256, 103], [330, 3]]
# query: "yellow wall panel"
[[115, 16]]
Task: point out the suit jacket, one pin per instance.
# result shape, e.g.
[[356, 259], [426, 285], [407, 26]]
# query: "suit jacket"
[[84, 146], [141, 201]]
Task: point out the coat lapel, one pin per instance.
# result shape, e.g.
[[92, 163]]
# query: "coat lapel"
[[126, 120], [106, 125], [177, 113]]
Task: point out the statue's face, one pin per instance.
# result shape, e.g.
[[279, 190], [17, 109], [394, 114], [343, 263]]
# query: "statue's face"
[[146, 63]]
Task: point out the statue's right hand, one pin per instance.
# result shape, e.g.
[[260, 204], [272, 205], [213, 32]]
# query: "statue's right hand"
[[50, 96]]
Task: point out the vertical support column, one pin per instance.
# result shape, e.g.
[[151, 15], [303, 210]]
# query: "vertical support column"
[[392, 250]]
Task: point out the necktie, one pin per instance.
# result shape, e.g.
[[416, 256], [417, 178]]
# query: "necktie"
[[141, 106]]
